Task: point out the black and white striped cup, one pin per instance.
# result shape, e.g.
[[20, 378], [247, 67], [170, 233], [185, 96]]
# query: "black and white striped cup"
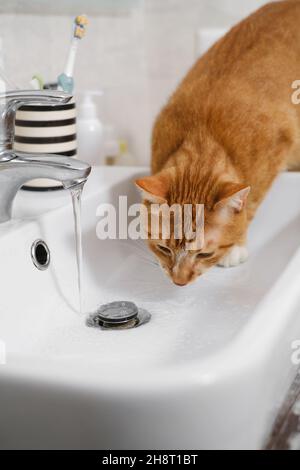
[[46, 129]]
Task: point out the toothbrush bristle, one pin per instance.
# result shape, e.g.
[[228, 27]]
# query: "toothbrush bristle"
[[81, 20], [79, 32], [80, 26]]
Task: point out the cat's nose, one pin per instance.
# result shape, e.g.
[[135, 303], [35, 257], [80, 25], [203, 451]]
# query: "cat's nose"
[[181, 284]]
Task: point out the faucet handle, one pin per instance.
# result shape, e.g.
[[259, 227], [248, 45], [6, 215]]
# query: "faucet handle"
[[10, 101]]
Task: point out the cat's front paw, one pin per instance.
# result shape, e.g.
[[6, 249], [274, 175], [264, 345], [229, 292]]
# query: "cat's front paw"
[[236, 255]]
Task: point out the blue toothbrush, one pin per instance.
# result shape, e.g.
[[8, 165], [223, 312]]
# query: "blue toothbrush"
[[65, 80]]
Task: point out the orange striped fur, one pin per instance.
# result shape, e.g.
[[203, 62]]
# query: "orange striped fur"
[[229, 126]]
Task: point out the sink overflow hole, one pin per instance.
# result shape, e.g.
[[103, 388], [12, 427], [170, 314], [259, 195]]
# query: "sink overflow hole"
[[40, 255]]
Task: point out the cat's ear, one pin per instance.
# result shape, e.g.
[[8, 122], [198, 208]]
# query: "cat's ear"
[[155, 188], [233, 196]]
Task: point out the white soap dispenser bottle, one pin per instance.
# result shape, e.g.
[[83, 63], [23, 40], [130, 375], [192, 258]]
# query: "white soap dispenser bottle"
[[90, 130]]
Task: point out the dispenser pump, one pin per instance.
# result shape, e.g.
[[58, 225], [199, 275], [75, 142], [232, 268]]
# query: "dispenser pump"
[[88, 107], [90, 129]]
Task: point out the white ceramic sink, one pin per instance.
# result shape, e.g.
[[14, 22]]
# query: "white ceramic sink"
[[208, 371]]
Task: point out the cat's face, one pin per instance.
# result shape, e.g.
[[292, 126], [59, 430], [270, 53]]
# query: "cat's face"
[[225, 223]]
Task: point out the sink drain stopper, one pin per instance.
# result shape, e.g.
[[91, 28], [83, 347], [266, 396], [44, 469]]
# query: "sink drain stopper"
[[118, 315]]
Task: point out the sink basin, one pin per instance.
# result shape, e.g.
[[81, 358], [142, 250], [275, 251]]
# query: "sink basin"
[[207, 372]]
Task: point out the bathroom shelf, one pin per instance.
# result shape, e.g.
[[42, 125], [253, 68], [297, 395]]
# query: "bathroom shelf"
[[68, 7]]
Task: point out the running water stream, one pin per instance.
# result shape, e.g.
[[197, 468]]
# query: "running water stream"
[[76, 193]]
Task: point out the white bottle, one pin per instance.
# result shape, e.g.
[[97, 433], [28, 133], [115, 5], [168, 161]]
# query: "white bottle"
[[90, 131]]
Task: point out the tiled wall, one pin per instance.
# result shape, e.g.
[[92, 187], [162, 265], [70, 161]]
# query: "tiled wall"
[[136, 58]]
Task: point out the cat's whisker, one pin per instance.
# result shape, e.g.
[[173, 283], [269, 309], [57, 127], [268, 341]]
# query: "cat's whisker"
[[143, 249], [210, 280], [143, 254], [153, 263]]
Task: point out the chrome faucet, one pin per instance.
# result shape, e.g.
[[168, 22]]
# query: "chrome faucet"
[[16, 168]]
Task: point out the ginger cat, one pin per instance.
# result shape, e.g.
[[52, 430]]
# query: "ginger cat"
[[224, 136]]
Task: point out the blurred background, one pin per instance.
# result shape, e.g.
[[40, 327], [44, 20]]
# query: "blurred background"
[[136, 51]]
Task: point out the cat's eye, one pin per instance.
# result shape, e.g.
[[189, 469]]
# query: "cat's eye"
[[164, 249], [204, 255]]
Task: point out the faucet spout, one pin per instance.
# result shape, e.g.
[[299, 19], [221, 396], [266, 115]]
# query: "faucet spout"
[[16, 168]]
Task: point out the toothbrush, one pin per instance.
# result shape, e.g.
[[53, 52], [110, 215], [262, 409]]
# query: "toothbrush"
[[37, 82], [65, 79]]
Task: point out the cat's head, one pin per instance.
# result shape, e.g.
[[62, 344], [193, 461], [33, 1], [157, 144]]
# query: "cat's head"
[[223, 224]]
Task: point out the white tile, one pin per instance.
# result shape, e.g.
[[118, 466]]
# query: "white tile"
[[138, 58]]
